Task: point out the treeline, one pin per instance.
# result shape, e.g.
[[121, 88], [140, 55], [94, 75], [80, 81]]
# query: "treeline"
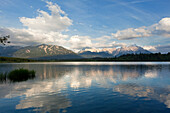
[[11, 59], [144, 57], [128, 57]]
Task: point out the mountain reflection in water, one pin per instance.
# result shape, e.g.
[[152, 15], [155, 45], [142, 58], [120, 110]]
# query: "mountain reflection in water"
[[54, 84]]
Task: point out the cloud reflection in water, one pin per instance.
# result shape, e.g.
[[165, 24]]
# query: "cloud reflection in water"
[[45, 93]]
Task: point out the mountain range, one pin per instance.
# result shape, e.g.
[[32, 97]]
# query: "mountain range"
[[40, 52], [112, 52], [49, 52]]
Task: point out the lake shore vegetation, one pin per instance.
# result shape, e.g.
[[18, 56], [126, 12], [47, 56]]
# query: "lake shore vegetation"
[[17, 75]]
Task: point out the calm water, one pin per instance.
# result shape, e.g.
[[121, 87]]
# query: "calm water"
[[88, 88]]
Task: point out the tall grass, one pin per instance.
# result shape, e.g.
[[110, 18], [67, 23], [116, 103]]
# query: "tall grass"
[[17, 75], [3, 77]]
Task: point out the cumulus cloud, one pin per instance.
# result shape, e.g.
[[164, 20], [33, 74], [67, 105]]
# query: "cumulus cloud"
[[45, 28], [106, 42], [48, 28], [111, 44], [150, 48], [81, 42], [131, 33], [46, 22], [28, 36], [158, 48], [162, 28], [78, 42]]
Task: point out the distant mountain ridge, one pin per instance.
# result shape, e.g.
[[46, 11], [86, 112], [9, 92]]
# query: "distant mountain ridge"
[[43, 52], [112, 52], [89, 54], [50, 52], [8, 51], [132, 49]]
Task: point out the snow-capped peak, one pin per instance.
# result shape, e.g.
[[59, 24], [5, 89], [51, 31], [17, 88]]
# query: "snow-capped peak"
[[131, 49]]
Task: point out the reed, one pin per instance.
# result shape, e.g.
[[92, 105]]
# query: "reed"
[[17, 75]]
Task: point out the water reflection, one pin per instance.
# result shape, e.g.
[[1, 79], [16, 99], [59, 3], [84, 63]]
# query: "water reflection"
[[48, 92], [43, 103], [121, 72], [162, 95]]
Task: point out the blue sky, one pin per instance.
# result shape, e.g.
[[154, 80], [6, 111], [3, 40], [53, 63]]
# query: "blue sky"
[[88, 23]]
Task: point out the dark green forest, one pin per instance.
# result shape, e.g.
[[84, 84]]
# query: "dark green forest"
[[128, 57], [11, 59], [145, 57]]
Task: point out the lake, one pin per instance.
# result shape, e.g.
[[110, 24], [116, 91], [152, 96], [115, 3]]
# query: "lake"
[[88, 87]]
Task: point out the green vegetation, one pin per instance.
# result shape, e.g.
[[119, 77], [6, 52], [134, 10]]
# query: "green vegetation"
[[128, 57], [17, 75], [145, 57], [3, 77], [11, 59]]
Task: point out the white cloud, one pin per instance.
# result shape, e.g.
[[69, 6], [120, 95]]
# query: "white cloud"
[[46, 22], [45, 28], [105, 42], [48, 28], [28, 36], [131, 33], [78, 42], [160, 29], [111, 44], [158, 48], [151, 74], [150, 48]]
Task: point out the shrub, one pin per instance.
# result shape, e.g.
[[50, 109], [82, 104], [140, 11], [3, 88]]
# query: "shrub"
[[3, 77], [18, 75]]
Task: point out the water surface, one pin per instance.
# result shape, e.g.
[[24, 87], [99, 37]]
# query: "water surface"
[[88, 87]]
